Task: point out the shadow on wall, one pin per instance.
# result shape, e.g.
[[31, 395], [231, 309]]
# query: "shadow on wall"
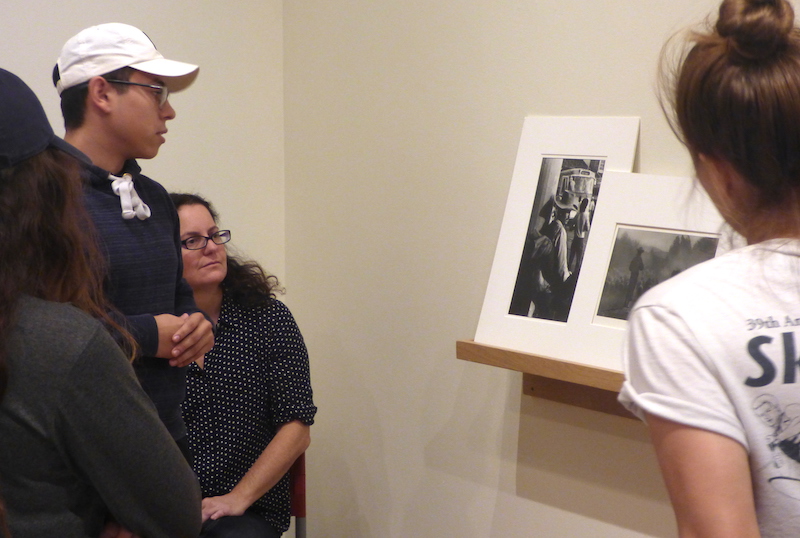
[[347, 493], [585, 462]]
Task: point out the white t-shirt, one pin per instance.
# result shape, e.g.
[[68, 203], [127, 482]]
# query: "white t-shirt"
[[717, 347]]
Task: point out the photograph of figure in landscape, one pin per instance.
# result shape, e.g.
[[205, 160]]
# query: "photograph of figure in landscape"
[[642, 258], [558, 229]]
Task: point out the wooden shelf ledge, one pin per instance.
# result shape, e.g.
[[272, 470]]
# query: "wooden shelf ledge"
[[571, 372], [571, 383]]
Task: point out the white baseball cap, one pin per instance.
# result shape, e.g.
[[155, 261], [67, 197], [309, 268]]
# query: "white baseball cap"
[[101, 49]]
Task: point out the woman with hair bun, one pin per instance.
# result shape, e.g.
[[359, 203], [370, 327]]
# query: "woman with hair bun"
[[711, 355]]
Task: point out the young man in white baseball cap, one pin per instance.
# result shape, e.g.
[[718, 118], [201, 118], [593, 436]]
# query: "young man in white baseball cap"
[[115, 87]]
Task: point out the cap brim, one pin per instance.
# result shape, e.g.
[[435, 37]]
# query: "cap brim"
[[177, 75]]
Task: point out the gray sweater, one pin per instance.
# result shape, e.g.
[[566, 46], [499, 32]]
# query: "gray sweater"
[[80, 440]]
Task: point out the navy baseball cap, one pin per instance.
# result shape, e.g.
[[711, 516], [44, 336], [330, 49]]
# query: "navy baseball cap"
[[25, 130]]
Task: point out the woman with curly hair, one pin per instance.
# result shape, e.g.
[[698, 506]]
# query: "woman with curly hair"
[[249, 404]]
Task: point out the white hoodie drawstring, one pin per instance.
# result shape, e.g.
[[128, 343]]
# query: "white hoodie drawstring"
[[129, 199]]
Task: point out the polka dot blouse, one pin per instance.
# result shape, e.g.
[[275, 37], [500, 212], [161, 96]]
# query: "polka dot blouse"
[[254, 379]]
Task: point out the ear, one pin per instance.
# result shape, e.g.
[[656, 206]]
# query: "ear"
[[99, 94], [724, 175], [730, 192]]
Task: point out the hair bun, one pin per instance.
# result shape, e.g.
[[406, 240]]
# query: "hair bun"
[[755, 29]]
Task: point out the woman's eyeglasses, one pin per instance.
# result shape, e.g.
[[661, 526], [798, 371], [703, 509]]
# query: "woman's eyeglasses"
[[197, 242]]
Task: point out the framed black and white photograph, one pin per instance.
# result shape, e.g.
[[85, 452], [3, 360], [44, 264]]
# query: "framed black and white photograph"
[[530, 306], [642, 258], [555, 241]]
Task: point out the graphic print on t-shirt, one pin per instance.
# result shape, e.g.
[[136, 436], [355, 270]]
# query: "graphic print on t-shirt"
[[784, 442]]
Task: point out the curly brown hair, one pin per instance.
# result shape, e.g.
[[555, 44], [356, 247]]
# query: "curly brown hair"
[[246, 282]]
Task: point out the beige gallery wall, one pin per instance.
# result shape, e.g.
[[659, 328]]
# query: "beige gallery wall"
[[394, 126], [401, 129]]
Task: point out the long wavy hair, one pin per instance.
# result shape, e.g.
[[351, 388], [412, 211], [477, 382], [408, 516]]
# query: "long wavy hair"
[[51, 247], [246, 282]]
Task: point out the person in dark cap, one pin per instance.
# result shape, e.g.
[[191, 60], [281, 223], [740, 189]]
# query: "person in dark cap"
[[82, 450], [115, 87]]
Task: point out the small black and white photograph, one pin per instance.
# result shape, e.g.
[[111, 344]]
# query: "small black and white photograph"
[[558, 230], [642, 258]]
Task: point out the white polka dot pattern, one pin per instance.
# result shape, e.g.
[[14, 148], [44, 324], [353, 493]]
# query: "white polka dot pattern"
[[254, 379]]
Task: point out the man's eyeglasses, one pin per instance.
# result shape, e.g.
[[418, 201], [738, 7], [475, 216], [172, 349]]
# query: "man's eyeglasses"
[[197, 242], [161, 91]]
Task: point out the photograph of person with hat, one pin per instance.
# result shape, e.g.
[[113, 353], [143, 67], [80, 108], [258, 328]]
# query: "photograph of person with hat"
[[82, 449], [545, 284], [557, 231], [115, 88]]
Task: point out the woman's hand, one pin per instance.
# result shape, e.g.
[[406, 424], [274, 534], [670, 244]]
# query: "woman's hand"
[[291, 440], [224, 505]]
